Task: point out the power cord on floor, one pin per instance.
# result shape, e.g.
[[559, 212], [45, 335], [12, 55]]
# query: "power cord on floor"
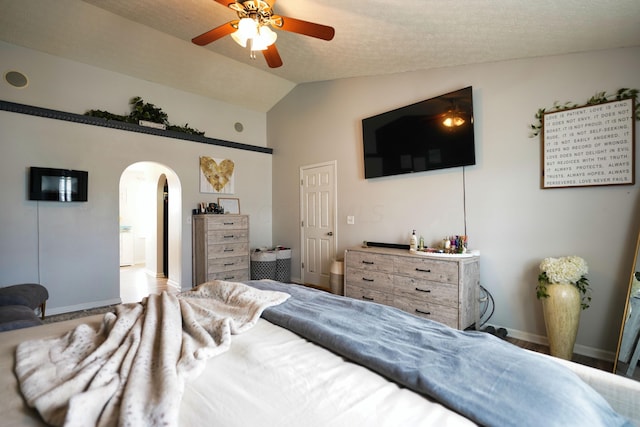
[[487, 304]]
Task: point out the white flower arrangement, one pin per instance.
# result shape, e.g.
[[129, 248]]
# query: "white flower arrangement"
[[568, 269]]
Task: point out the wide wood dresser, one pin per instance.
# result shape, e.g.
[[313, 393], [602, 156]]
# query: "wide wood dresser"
[[438, 287], [220, 247]]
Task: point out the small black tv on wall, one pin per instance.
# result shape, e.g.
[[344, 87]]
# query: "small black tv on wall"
[[59, 185], [433, 134]]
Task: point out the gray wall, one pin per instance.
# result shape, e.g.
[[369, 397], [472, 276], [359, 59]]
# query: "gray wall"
[[510, 220], [73, 249]]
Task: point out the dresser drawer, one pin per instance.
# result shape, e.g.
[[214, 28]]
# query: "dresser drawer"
[[224, 222], [216, 265], [434, 292], [230, 276], [442, 289], [370, 262], [227, 250], [368, 294], [427, 269], [369, 279], [220, 248], [216, 237], [439, 313]]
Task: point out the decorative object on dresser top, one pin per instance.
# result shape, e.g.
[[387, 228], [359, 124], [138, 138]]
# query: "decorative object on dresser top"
[[441, 287], [229, 205], [450, 245], [220, 248], [208, 208]]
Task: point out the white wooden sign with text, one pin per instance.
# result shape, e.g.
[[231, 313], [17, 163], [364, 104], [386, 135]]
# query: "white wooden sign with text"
[[588, 146]]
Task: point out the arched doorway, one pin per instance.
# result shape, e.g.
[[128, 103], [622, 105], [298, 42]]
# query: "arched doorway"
[[150, 232]]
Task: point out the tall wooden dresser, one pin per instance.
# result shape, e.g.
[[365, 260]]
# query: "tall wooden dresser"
[[441, 288], [220, 248]]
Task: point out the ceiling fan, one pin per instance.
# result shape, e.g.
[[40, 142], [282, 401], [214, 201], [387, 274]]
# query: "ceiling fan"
[[251, 29]]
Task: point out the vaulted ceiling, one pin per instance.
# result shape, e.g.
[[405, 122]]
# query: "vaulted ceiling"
[[151, 39]]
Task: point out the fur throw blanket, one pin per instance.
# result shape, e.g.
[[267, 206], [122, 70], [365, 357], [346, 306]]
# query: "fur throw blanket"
[[131, 371]]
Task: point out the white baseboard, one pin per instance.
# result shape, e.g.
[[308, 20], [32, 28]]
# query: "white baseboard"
[[84, 306], [583, 350], [174, 284]]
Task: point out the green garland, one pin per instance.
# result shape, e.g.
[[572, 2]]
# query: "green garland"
[[598, 98], [141, 110]]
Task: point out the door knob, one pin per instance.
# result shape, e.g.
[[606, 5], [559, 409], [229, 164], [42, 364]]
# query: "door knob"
[[330, 233]]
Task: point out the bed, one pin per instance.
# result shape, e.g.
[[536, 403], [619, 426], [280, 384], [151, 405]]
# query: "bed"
[[299, 364]]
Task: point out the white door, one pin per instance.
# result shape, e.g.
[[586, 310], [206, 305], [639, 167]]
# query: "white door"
[[318, 219]]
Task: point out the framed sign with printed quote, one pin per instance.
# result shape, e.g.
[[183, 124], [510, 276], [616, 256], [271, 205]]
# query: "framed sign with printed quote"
[[589, 146]]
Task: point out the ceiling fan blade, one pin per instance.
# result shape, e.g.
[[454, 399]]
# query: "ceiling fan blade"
[[216, 33], [306, 28], [272, 56], [225, 2]]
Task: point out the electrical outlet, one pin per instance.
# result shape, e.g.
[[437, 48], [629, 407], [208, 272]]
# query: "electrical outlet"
[[351, 219]]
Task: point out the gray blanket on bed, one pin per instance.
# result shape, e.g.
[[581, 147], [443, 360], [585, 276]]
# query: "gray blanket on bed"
[[490, 381]]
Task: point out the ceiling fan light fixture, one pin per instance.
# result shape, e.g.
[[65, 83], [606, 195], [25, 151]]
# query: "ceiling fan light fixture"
[[247, 29], [453, 119], [253, 35], [265, 38], [242, 42], [252, 29]]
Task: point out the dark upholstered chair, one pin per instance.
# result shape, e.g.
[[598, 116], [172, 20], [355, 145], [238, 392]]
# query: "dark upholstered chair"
[[17, 317], [31, 295]]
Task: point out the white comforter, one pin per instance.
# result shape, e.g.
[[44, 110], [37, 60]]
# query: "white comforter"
[[273, 377], [132, 370]]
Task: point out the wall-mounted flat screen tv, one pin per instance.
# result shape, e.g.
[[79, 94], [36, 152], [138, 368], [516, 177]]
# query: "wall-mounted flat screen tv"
[[436, 133], [60, 185]]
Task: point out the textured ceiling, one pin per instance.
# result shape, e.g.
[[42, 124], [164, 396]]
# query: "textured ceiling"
[[150, 39]]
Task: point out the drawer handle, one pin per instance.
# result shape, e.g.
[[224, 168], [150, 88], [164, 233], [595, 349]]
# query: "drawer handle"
[[368, 262], [367, 298], [229, 264], [230, 236], [229, 277], [228, 250], [423, 290], [229, 223], [423, 271], [428, 313], [367, 280]]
